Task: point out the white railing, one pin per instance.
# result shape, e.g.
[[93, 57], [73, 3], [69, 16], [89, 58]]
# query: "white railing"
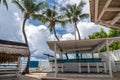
[[89, 67]]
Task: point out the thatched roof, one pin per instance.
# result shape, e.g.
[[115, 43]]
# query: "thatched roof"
[[106, 12], [10, 51]]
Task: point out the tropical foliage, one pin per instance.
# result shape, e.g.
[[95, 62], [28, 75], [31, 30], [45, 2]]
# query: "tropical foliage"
[[29, 8], [51, 17], [103, 34], [4, 3], [75, 14]]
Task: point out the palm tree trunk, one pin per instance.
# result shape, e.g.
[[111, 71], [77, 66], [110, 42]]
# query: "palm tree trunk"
[[55, 34], [77, 56], [26, 70], [77, 31]]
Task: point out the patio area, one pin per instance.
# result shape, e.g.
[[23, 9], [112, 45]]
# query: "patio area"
[[43, 76]]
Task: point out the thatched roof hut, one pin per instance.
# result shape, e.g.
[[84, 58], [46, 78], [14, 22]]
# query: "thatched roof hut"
[[106, 12], [10, 51]]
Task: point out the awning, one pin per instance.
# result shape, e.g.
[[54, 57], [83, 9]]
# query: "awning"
[[81, 45], [106, 13]]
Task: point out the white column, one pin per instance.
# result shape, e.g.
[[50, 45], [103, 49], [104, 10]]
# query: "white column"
[[92, 54], [104, 63], [79, 67], [88, 67], [98, 53], [62, 67], [97, 64], [109, 61], [60, 55], [56, 70]]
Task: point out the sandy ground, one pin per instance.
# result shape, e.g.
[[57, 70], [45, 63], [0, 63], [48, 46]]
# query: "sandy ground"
[[38, 76]]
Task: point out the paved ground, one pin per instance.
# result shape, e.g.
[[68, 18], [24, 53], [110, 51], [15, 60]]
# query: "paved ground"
[[38, 76]]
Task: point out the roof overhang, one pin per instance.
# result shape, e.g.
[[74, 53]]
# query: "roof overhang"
[[81, 46], [13, 48], [106, 13]]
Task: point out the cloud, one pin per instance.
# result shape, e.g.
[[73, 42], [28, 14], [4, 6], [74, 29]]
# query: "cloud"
[[68, 36], [38, 37], [89, 28], [63, 2], [10, 24]]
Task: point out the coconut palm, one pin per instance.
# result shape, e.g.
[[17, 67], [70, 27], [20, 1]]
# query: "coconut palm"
[[29, 8], [51, 17], [4, 3], [74, 12]]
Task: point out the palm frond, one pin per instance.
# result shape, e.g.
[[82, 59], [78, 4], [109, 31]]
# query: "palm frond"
[[64, 9], [83, 16], [81, 4], [17, 3], [50, 28], [60, 17], [48, 13], [27, 4], [63, 22], [5, 3], [69, 7], [40, 6], [40, 17]]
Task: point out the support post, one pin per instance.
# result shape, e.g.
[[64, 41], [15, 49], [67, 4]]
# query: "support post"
[[104, 63], [62, 67], [60, 55], [56, 70], [97, 64], [92, 54], [18, 66], [98, 53], [109, 61], [88, 67], [79, 67]]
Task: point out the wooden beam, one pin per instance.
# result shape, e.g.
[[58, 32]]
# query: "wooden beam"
[[107, 24], [101, 45], [103, 10], [13, 46], [109, 43], [79, 49], [112, 9], [96, 9], [71, 52], [98, 46], [115, 19]]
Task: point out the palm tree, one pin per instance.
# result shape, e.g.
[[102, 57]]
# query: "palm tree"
[[52, 17], [74, 12], [4, 3], [29, 8]]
